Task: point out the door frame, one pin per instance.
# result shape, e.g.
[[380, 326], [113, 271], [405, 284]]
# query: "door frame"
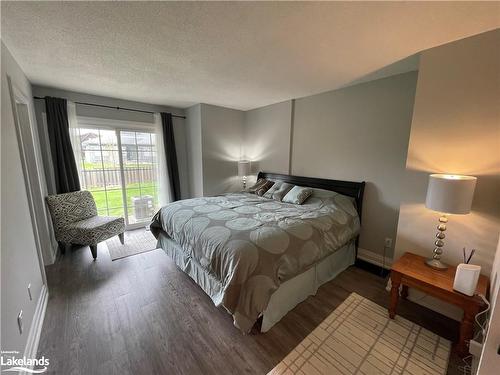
[[30, 171]]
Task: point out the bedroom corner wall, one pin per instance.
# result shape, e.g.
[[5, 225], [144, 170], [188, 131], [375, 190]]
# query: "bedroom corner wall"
[[214, 139], [19, 259], [218, 137], [221, 130], [266, 138], [455, 129]]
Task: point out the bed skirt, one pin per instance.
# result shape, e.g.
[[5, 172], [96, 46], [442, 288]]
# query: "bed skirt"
[[289, 294], [297, 289]]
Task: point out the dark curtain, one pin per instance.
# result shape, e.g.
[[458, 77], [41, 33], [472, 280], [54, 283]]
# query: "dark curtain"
[[171, 155], [63, 159]]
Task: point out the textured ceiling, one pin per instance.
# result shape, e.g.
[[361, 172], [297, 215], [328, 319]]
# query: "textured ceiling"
[[241, 55]]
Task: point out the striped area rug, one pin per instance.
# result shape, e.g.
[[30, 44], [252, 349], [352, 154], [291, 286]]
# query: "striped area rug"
[[359, 338]]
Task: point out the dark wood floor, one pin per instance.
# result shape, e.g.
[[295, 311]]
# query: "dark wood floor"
[[141, 315]]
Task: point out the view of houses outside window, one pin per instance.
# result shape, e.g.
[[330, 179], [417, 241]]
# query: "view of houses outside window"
[[119, 168]]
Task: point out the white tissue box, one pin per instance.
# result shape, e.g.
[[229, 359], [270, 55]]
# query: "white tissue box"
[[466, 278]]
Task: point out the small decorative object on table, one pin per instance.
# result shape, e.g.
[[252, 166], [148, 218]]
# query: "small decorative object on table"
[[244, 171], [448, 194], [466, 276]]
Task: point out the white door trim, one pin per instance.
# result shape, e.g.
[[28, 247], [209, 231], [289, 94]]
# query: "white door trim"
[[30, 172], [33, 339]]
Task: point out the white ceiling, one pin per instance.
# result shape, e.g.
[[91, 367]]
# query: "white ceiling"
[[241, 55]]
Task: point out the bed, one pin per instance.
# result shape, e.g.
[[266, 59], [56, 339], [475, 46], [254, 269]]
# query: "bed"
[[258, 257]]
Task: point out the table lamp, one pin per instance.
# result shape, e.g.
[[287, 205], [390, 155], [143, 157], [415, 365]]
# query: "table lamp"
[[448, 194], [244, 171]]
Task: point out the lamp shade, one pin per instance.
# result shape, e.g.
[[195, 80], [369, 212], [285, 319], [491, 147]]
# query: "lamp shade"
[[243, 168], [450, 194]]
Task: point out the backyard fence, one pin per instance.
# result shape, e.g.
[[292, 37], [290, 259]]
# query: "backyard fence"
[[99, 178]]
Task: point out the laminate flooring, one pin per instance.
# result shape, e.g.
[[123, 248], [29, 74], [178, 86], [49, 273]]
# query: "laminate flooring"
[[142, 315]]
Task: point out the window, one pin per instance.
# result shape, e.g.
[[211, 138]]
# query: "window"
[[119, 167]]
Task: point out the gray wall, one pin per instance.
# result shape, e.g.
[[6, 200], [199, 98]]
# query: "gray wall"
[[221, 130], [355, 133], [214, 136], [455, 129], [359, 133], [19, 259], [91, 111], [267, 133], [194, 151]]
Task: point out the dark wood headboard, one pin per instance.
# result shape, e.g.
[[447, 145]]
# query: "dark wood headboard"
[[349, 188]]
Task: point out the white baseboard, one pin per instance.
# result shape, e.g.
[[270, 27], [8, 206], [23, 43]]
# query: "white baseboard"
[[36, 325], [374, 258]]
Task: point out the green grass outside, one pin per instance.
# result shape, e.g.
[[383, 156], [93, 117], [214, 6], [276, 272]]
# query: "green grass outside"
[[115, 198]]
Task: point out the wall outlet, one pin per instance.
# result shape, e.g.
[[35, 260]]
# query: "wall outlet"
[[20, 322], [388, 242], [29, 292]]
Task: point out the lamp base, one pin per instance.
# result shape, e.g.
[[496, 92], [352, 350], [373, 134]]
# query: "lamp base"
[[435, 261], [436, 264]]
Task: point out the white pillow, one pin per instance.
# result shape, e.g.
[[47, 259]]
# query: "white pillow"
[[297, 195]]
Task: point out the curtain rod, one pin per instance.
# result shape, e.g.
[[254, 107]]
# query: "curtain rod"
[[109, 106]]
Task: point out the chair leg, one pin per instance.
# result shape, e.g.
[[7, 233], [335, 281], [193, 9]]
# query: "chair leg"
[[121, 236], [93, 249], [62, 247]]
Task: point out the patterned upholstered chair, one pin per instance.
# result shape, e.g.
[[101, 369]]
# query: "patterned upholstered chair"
[[75, 220]]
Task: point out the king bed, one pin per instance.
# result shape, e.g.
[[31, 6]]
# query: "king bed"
[[260, 257]]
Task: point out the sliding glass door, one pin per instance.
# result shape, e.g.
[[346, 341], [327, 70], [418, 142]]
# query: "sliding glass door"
[[139, 170], [119, 168]]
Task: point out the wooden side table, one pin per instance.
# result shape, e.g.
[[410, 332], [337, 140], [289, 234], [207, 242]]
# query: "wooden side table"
[[410, 271]]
